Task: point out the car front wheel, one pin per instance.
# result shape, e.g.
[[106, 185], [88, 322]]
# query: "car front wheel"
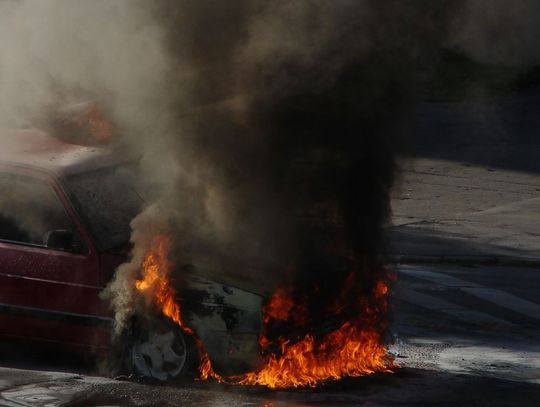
[[162, 352]]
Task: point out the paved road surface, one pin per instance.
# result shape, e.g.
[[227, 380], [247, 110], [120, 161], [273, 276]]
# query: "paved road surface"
[[467, 336], [486, 321], [471, 186], [451, 208]]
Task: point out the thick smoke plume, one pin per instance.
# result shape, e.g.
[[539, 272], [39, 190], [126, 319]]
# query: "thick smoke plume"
[[271, 127], [285, 128]]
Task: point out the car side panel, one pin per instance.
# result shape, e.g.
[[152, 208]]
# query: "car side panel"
[[52, 295]]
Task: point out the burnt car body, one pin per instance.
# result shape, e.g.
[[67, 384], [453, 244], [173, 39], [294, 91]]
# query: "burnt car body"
[[64, 228]]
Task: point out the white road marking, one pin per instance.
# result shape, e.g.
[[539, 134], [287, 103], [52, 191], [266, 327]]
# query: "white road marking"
[[455, 310], [506, 300], [492, 295], [439, 278]]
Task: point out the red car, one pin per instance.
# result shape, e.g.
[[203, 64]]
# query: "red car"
[[64, 228]]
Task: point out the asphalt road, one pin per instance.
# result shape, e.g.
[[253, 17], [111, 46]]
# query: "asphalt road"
[[464, 336]]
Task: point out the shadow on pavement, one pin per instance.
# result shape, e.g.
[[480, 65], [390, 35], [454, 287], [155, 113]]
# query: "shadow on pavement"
[[46, 357], [418, 241], [497, 132]]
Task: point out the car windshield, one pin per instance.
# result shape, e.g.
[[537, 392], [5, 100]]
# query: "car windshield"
[[107, 200]]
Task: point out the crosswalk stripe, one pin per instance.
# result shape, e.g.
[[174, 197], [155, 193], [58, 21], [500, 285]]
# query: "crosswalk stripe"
[[455, 310], [492, 295], [506, 300], [439, 278]]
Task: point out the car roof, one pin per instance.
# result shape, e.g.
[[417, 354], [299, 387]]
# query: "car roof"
[[36, 149]]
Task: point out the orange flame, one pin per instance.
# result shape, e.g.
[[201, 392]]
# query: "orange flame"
[[354, 349], [346, 351], [279, 307], [100, 127], [155, 272], [90, 121]]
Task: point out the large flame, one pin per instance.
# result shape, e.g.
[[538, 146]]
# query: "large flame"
[[346, 351], [355, 348], [155, 269]]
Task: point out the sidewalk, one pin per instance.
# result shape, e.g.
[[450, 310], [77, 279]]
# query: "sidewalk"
[[473, 191], [454, 212]]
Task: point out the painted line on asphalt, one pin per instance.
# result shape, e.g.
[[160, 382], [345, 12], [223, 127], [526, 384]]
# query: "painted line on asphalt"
[[455, 310], [492, 295], [506, 300], [439, 278]]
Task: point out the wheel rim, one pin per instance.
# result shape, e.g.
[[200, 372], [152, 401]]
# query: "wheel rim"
[[161, 356]]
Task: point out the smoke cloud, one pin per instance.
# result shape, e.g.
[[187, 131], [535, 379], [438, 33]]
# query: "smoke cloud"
[[285, 128], [498, 32], [271, 127], [56, 52]]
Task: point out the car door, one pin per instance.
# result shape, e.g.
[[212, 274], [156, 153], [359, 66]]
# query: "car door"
[[49, 282]]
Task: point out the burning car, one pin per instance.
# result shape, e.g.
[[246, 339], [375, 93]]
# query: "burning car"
[[65, 211]]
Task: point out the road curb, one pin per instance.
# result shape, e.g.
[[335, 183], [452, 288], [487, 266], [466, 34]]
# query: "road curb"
[[467, 260]]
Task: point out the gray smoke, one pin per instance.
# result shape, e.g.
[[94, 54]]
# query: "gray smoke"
[[285, 125], [271, 127], [56, 52], [498, 31]]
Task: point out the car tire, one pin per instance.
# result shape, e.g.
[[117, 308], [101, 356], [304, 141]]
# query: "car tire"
[[160, 351]]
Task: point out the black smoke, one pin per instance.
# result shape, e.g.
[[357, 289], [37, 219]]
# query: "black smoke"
[[291, 115], [272, 127]]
